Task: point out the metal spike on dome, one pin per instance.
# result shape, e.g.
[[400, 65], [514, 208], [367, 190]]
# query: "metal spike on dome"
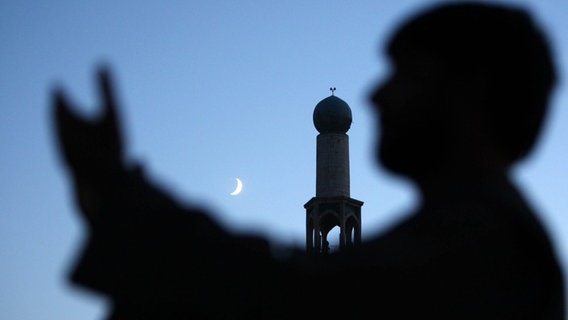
[[332, 91]]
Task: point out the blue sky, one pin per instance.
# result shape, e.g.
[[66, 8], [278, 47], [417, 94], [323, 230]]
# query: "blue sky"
[[211, 91]]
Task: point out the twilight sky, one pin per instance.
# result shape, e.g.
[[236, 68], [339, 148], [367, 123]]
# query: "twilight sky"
[[212, 91]]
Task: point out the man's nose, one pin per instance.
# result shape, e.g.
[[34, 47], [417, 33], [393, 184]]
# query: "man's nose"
[[377, 95]]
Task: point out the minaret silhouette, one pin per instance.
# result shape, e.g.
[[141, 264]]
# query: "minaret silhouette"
[[332, 206]]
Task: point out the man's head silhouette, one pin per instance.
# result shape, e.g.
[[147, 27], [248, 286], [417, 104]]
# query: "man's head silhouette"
[[468, 92]]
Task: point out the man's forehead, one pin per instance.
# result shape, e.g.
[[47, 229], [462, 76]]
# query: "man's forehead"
[[422, 59]]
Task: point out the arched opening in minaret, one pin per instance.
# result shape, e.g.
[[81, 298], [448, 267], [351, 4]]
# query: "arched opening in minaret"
[[311, 235], [330, 232], [333, 237], [352, 232]]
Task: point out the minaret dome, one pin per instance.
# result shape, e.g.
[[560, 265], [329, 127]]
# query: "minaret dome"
[[332, 114]]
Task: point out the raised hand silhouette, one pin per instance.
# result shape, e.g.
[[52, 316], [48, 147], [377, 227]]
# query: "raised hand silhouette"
[[92, 149], [90, 146]]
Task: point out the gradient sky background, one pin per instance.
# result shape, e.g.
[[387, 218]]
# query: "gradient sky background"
[[211, 91]]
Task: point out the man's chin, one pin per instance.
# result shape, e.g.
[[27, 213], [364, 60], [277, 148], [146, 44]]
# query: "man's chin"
[[389, 162], [397, 162]]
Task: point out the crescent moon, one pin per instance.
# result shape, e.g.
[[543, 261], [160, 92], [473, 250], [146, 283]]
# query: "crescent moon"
[[239, 187]]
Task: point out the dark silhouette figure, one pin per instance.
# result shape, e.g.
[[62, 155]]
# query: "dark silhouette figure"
[[465, 102]]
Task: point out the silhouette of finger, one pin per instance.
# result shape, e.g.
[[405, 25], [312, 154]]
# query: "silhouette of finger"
[[107, 94], [68, 126], [110, 121], [61, 118], [60, 109]]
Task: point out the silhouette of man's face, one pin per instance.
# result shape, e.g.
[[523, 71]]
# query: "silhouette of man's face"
[[413, 122], [462, 95]]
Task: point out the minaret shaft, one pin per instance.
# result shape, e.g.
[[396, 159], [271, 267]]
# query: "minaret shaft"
[[332, 172]]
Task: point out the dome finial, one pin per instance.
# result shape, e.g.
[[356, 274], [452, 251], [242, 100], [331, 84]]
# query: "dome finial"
[[332, 91]]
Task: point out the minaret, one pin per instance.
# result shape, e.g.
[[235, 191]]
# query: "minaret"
[[332, 206]]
